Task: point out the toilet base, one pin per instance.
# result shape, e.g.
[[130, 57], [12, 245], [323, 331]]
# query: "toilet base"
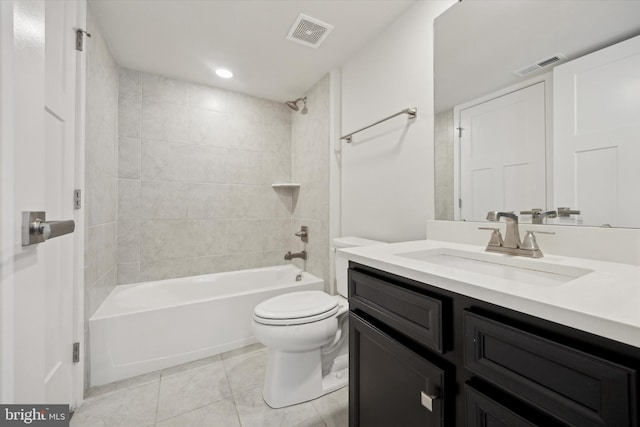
[[293, 378]]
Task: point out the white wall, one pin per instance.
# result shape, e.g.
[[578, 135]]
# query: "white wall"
[[387, 172]]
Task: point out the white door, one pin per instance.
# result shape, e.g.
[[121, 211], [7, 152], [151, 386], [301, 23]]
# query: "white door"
[[502, 154], [597, 135], [44, 289]]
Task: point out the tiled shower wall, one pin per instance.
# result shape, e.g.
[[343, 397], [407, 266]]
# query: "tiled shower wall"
[[101, 170], [310, 167], [195, 168], [101, 176]]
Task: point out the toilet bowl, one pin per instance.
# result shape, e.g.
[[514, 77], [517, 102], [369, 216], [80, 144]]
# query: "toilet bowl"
[[306, 334]]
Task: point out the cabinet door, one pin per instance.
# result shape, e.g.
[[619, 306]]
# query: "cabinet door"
[[390, 385]]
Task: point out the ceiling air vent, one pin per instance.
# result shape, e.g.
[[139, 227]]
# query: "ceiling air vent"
[[309, 31], [540, 65]]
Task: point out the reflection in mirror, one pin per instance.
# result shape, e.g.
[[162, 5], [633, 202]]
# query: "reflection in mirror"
[[489, 50]]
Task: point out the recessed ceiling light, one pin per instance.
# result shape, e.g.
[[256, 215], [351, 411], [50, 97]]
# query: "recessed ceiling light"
[[225, 73]]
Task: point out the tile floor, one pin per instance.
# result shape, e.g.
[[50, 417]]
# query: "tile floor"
[[220, 391]]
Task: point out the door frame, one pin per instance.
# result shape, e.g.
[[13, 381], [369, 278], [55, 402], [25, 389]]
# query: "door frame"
[[10, 220], [6, 204], [547, 78]]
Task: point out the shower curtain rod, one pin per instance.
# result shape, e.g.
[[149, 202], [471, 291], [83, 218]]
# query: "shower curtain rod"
[[411, 112]]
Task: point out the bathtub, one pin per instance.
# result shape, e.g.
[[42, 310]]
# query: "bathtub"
[[147, 326]]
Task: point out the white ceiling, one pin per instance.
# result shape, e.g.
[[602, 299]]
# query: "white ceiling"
[[188, 39], [479, 43]]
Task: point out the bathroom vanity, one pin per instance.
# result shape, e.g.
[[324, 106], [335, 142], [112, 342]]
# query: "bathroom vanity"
[[444, 334]]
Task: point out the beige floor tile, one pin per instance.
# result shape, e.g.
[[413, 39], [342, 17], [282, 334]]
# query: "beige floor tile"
[[192, 388], [219, 414], [334, 408], [246, 371], [254, 412], [132, 407]]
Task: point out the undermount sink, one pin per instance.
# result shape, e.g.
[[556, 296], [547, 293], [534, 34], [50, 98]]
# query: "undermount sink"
[[519, 269]]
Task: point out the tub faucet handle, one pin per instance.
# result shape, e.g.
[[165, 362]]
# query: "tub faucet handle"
[[303, 234]]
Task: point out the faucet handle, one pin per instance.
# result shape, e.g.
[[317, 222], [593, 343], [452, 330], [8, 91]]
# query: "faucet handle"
[[529, 243], [534, 212], [565, 212], [496, 236]]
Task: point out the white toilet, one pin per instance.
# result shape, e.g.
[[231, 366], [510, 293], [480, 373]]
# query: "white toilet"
[[307, 337]]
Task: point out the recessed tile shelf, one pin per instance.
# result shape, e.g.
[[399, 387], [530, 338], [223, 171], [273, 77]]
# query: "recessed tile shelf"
[[286, 185]]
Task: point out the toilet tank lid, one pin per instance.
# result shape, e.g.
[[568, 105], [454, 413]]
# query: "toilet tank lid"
[[352, 242]]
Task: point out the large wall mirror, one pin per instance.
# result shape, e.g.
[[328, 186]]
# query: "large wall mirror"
[[494, 73]]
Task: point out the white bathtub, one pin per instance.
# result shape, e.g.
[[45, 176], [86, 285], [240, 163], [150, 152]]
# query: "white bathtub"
[[147, 326]]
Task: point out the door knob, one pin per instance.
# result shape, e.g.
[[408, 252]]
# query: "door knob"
[[36, 229]]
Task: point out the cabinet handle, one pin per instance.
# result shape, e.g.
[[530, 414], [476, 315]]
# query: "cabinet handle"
[[427, 400]]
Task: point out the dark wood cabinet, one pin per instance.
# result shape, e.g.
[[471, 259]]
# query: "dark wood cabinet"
[[391, 385], [577, 387], [488, 366]]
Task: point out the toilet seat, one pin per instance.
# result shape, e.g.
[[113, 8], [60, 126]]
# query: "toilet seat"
[[296, 308]]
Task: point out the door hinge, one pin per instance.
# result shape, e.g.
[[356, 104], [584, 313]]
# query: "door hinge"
[[77, 199], [76, 352], [459, 132], [80, 39], [460, 203]]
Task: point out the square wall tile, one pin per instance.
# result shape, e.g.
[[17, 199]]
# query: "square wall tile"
[[164, 161], [129, 117], [129, 154], [164, 121], [276, 234], [130, 83], [209, 164], [163, 200], [245, 236], [162, 269], [162, 89], [128, 241], [206, 237], [245, 201], [163, 239], [207, 201], [208, 98], [210, 128], [128, 199]]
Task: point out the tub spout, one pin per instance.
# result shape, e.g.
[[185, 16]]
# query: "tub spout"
[[290, 256]]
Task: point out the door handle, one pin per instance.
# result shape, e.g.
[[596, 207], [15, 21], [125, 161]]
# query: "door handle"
[[427, 400], [36, 229]]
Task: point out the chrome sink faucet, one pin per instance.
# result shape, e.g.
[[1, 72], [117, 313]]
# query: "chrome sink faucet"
[[512, 235], [511, 244]]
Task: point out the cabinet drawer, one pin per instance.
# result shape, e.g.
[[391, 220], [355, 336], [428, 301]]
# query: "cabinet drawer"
[[483, 411], [390, 385], [576, 387], [411, 313]]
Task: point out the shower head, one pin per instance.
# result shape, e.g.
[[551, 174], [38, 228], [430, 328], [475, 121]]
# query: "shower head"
[[294, 105]]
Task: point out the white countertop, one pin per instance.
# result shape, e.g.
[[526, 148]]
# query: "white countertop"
[[605, 302]]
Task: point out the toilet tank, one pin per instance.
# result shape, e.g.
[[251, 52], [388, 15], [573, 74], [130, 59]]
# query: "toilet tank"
[[342, 264]]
